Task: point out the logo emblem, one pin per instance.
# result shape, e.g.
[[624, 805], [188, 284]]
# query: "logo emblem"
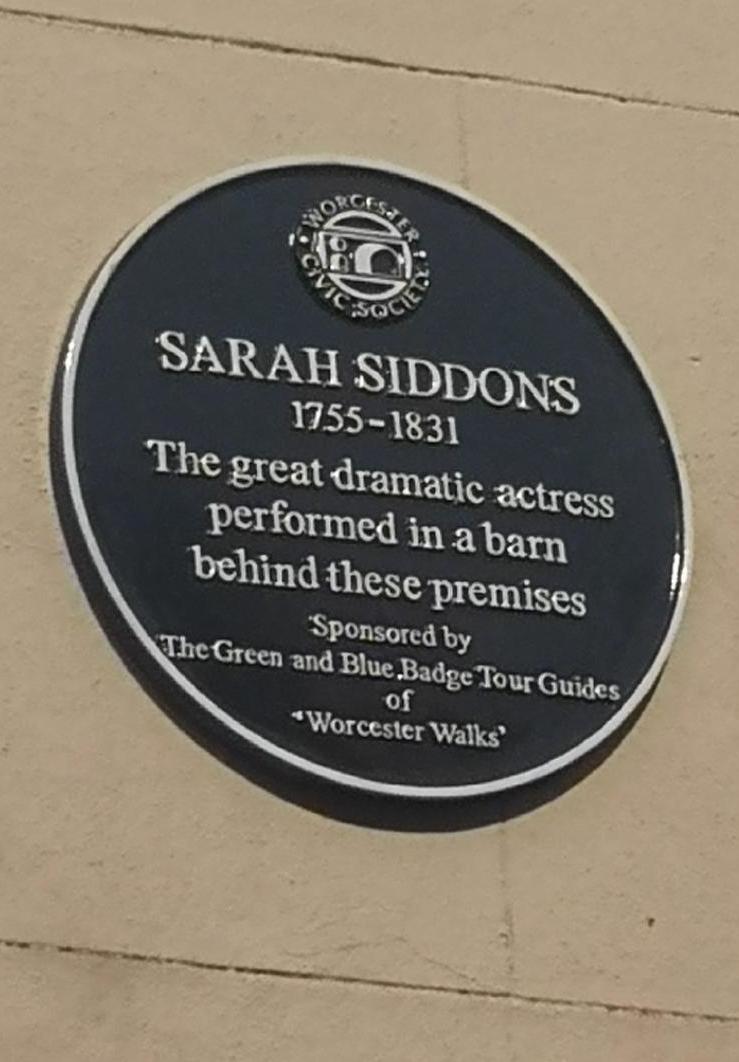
[[362, 257]]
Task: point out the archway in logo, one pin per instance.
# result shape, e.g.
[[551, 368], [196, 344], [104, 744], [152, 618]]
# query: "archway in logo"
[[438, 558], [366, 257]]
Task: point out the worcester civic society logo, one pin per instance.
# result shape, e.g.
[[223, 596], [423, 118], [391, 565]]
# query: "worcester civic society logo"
[[362, 257]]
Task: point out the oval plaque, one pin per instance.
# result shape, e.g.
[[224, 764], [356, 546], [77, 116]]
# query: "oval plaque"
[[370, 481]]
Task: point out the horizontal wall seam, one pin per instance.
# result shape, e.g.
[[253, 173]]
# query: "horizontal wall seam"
[[367, 61], [516, 998]]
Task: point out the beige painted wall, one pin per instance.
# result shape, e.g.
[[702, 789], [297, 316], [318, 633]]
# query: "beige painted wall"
[[153, 905]]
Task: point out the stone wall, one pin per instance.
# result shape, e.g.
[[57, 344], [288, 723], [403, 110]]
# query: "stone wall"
[[156, 906]]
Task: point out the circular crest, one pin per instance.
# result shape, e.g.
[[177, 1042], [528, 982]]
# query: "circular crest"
[[362, 257]]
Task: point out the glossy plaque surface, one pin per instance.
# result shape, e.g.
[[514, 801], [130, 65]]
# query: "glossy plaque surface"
[[369, 481]]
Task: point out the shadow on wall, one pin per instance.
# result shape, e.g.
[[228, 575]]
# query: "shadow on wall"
[[402, 814], [394, 813]]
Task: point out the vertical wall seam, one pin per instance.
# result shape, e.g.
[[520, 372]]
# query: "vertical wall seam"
[[508, 933], [464, 159]]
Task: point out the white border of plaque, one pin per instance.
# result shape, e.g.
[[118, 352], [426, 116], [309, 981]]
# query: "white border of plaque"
[[682, 563]]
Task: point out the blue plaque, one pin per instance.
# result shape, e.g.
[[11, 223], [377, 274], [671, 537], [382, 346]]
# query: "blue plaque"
[[359, 476]]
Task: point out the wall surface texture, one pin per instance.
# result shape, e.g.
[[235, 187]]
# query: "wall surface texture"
[[155, 905]]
